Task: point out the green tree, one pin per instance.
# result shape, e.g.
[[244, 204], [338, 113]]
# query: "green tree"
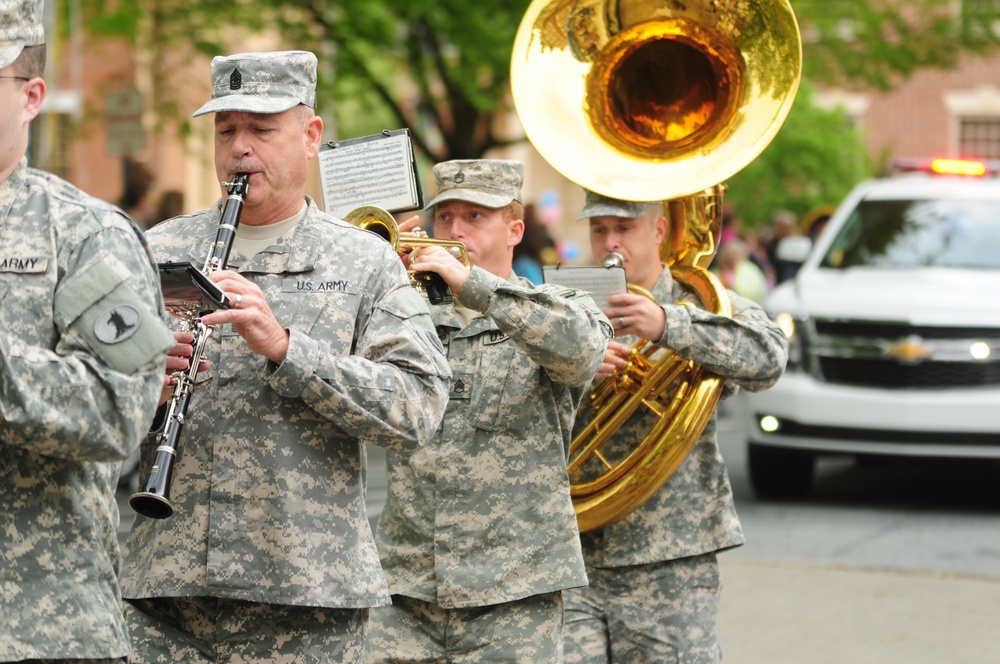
[[813, 161], [441, 67], [878, 43]]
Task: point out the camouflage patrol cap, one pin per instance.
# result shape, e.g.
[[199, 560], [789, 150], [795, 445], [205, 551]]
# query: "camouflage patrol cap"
[[598, 205], [20, 26], [492, 183], [262, 82]]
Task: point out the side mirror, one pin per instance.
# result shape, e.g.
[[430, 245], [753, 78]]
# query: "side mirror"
[[794, 249]]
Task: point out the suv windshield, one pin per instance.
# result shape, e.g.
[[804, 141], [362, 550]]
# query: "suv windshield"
[[926, 233]]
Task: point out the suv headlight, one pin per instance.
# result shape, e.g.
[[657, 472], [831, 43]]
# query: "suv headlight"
[[792, 327]]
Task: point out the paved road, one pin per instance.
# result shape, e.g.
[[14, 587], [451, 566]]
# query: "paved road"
[[881, 564], [787, 604]]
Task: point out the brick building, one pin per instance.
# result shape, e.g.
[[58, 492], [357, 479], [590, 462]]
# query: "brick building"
[[104, 119], [934, 113]]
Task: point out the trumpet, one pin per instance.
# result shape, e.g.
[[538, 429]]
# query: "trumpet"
[[380, 222], [154, 500]]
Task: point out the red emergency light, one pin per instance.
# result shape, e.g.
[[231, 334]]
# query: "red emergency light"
[[946, 166]]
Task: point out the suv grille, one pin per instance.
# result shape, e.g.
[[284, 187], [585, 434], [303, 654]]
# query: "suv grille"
[[883, 373], [895, 355]]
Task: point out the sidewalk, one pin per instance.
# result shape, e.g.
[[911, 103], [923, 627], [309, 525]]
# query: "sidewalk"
[[802, 613]]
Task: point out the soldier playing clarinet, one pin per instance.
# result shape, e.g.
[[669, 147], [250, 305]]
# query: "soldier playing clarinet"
[[269, 556]]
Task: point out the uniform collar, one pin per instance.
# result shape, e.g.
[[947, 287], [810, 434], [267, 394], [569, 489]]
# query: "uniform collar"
[[296, 254]]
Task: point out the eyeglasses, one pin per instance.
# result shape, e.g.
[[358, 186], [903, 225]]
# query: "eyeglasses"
[[17, 78]]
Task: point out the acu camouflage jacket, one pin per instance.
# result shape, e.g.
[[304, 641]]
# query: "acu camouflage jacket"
[[271, 477]]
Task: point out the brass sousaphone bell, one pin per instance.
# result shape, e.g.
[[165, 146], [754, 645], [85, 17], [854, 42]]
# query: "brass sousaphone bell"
[[654, 100]]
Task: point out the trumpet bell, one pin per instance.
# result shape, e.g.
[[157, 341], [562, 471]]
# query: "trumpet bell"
[[376, 220], [651, 100], [380, 222]]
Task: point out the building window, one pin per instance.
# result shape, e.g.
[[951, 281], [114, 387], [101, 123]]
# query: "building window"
[[49, 143], [979, 137]]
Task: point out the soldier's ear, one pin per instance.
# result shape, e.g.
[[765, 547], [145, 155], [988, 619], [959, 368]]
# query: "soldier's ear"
[[515, 232], [313, 135], [34, 95], [660, 227]]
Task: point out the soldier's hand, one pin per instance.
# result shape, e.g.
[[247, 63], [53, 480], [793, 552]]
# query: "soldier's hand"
[[440, 260], [635, 315], [178, 361], [250, 315], [614, 359], [411, 225]]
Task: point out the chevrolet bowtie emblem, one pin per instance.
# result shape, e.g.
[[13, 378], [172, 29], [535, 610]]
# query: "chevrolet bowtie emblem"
[[910, 349]]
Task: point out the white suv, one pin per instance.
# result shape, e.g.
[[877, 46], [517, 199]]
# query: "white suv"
[[894, 325]]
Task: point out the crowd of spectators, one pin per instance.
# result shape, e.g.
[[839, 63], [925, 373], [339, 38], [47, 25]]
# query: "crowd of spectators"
[[747, 261]]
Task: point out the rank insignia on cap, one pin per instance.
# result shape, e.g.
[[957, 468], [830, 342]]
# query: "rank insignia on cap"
[[492, 183], [265, 83], [117, 324]]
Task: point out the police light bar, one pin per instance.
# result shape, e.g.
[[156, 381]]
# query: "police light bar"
[[941, 166], [958, 167]]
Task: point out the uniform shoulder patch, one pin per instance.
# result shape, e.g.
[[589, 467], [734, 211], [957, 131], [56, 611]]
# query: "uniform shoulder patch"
[[117, 324]]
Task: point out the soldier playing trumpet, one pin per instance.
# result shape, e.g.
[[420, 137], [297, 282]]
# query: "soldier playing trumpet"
[[478, 534]]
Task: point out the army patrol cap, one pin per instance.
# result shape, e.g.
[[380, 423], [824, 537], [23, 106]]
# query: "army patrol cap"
[[262, 82], [20, 26], [492, 183], [598, 205]]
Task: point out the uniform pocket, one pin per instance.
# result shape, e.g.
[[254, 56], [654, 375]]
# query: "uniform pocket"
[[506, 394]]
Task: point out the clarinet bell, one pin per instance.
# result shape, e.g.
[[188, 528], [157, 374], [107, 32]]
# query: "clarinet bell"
[[154, 500]]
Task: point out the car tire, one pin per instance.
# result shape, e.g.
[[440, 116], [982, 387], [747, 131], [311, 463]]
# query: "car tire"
[[780, 474]]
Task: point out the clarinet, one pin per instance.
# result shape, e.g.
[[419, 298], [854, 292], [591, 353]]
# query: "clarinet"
[[154, 500]]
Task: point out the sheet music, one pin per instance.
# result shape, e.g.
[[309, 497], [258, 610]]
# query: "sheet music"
[[374, 170], [186, 289], [600, 282]]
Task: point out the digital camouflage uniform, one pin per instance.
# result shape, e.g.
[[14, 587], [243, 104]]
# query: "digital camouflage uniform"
[[271, 475], [82, 351], [483, 516], [655, 570], [269, 555]]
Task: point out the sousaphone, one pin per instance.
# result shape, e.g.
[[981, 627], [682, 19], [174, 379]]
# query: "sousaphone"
[[654, 100]]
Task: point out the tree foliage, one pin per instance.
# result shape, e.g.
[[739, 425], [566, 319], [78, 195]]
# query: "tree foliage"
[[441, 68], [878, 43], [812, 162]]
